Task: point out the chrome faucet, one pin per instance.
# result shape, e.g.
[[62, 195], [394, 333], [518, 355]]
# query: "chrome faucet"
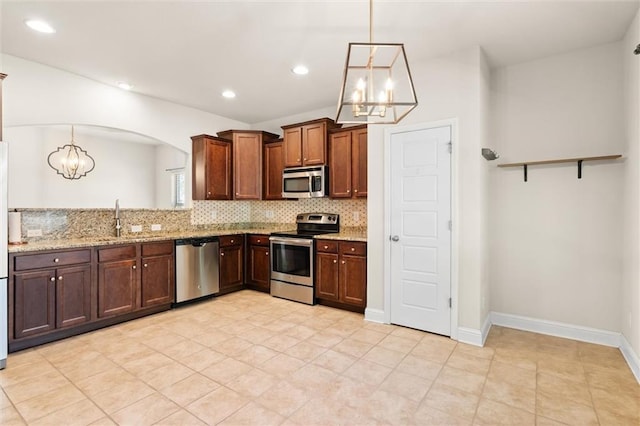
[[118, 226]]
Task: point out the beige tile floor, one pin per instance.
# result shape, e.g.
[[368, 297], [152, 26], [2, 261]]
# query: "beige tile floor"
[[248, 358]]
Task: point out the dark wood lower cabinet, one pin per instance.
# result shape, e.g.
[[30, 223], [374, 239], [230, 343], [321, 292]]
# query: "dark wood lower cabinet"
[[341, 274], [258, 263], [86, 289]]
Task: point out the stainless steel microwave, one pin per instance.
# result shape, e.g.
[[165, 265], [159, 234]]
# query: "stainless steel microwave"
[[305, 182]]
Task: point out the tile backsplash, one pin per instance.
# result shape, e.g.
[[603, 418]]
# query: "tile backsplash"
[[75, 223]]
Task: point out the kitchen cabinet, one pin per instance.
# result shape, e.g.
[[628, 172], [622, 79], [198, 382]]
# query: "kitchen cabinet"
[[341, 274], [211, 168], [247, 161], [258, 264], [305, 144], [117, 280], [231, 263], [157, 276], [49, 291], [273, 164], [348, 163]]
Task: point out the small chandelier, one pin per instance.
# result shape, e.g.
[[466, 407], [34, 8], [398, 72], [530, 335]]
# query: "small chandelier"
[[377, 87], [71, 161]]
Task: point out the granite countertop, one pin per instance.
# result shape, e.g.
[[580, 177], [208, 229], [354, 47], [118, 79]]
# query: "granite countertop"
[[348, 234]]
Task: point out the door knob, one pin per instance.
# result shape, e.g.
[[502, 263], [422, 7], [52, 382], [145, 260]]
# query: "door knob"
[[395, 238]]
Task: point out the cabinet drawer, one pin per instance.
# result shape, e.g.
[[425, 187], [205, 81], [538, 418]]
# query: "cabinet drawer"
[[327, 246], [157, 249], [259, 240], [117, 253], [54, 259], [353, 248], [230, 240]]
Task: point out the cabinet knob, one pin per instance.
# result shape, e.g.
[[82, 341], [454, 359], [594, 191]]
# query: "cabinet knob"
[[208, 193], [343, 262], [266, 254], [348, 190], [231, 241], [134, 266], [304, 159], [56, 260], [335, 261], [237, 193], [52, 279], [259, 240], [326, 247], [221, 254], [60, 278], [355, 190], [145, 265], [352, 249]]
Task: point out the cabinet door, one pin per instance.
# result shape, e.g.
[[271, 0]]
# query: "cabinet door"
[[353, 280], [273, 166], [230, 267], [34, 304], [359, 162], [73, 295], [327, 276], [157, 280], [292, 146], [117, 287], [218, 170], [314, 140], [247, 166], [340, 165], [259, 267]]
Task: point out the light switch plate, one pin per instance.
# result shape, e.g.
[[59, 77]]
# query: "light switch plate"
[[136, 228], [156, 227]]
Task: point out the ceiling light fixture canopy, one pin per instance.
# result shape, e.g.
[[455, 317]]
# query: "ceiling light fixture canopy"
[[377, 87], [71, 161], [40, 26]]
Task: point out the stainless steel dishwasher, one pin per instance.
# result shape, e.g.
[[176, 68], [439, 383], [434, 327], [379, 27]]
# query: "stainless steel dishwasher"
[[197, 268]]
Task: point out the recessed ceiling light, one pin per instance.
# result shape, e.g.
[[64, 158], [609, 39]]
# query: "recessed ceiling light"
[[40, 26], [300, 70], [229, 94], [124, 85]]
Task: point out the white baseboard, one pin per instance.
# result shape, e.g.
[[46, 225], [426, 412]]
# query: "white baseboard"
[[559, 329], [473, 336], [374, 315], [630, 356]]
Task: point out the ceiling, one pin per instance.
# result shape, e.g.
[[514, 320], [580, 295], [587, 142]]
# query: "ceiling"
[[189, 52]]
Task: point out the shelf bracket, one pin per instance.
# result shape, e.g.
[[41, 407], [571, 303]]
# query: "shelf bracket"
[[580, 169], [524, 167]]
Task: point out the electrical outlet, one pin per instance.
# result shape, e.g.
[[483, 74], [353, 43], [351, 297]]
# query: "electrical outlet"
[[156, 227], [356, 216], [214, 214], [136, 228], [34, 232], [269, 214]]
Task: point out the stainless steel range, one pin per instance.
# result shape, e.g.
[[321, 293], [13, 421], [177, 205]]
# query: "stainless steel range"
[[292, 256]]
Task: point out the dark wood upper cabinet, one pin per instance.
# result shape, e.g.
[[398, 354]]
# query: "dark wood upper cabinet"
[[273, 160], [348, 163], [305, 144], [247, 161], [211, 168]]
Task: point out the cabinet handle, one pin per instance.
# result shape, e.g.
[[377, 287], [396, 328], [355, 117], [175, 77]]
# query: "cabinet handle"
[[335, 261], [52, 279], [60, 278], [56, 260], [145, 265], [134, 266]]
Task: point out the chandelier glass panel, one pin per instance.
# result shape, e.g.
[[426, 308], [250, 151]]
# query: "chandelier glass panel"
[[70, 161], [377, 87]]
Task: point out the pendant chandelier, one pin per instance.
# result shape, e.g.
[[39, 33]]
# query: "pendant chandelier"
[[71, 161], [377, 87]]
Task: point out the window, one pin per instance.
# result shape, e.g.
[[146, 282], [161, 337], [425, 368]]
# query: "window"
[[177, 188]]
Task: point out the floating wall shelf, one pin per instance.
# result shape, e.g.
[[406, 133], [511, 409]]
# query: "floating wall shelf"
[[524, 165]]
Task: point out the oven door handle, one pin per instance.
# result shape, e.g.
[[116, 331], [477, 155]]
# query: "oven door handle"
[[292, 241]]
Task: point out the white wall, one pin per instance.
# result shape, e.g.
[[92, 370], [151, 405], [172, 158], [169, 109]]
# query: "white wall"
[[74, 99], [168, 159], [122, 170], [447, 87], [631, 245], [556, 251], [274, 126]]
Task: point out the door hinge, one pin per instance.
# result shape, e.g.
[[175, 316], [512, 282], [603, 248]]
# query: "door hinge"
[[450, 145], [450, 225], [449, 302]]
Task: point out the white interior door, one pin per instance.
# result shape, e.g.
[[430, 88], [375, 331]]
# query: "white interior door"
[[420, 183]]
